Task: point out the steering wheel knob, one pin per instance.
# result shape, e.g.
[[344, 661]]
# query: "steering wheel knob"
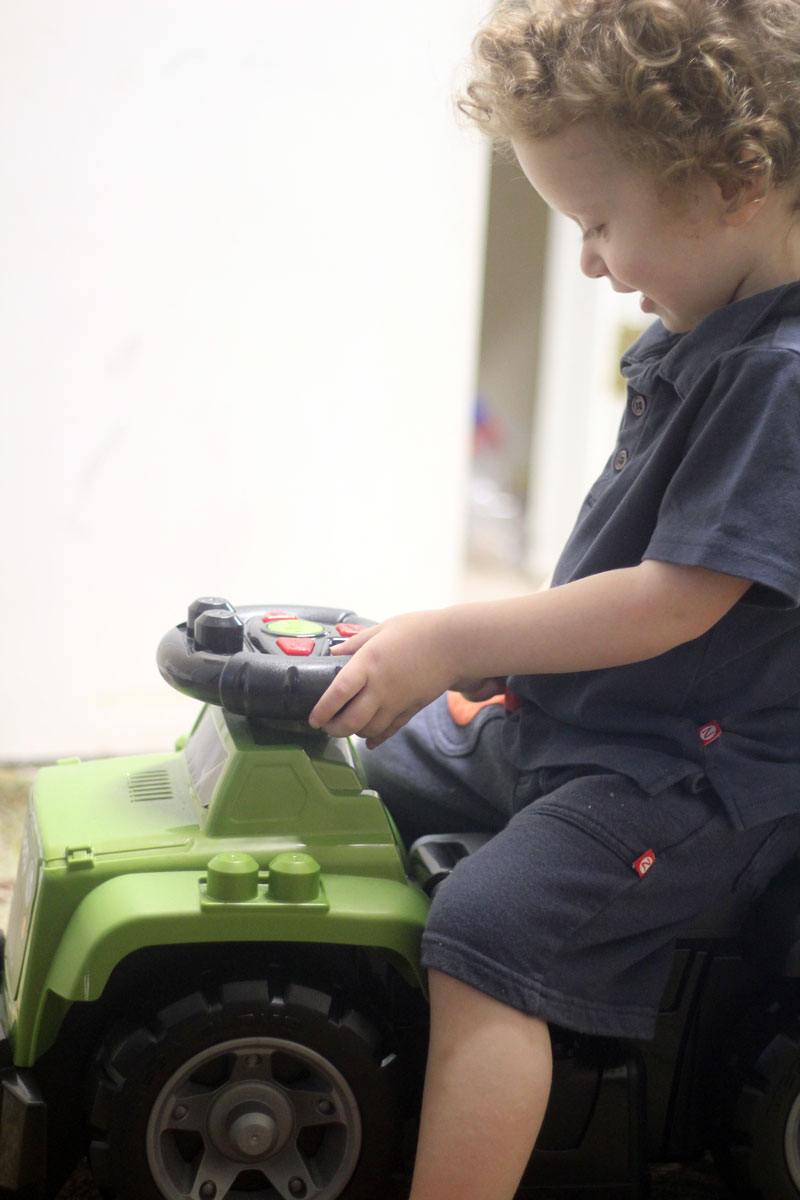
[[219, 631], [203, 604]]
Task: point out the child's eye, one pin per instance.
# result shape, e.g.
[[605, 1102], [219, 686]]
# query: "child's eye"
[[595, 231]]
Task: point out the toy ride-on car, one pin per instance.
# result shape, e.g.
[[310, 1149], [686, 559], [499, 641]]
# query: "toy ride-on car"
[[211, 978]]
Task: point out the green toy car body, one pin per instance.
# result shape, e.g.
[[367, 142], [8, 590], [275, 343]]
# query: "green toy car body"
[[249, 868], [212, 986], [218, 842]]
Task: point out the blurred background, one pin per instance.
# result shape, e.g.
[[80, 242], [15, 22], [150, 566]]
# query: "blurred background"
[[276, 327]]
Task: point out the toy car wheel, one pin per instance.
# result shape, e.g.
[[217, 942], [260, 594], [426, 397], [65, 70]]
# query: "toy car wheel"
[[759, 1149], [251, 1092]]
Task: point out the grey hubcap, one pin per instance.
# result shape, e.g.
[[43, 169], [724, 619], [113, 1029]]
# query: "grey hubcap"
[[257, 1116]]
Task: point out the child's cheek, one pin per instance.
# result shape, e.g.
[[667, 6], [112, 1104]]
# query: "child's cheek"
[[646, 275], [636, 270]]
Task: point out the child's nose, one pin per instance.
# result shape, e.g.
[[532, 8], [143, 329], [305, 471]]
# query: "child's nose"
[[592, 263]]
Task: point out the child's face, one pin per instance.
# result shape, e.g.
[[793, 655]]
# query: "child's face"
[[684, 257]]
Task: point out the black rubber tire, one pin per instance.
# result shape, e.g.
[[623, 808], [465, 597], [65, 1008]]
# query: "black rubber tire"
[[309, 1047], [758, 1150]]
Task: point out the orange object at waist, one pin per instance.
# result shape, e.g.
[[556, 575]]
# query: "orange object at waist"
[[463, 710]]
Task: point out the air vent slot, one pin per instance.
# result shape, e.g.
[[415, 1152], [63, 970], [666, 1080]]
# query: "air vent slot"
[[154, 784]]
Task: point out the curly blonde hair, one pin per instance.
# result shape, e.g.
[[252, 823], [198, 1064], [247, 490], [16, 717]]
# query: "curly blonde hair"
[[680, 86]]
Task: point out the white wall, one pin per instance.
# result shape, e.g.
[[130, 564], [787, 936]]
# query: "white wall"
[[580, 393], [241, 252]]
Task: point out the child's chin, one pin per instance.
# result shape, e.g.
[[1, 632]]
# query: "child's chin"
[[671, 321]]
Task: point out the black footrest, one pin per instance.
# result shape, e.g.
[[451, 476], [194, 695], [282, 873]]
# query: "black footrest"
[[434, 855]]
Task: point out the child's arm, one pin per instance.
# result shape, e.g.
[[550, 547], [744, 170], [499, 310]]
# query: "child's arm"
[[486, 689], [604, 620]]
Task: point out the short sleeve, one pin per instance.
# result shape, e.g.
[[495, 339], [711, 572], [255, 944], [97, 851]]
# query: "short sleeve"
[[733, 504]]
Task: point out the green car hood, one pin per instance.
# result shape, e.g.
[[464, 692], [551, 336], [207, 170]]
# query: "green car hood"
[[114, 805]]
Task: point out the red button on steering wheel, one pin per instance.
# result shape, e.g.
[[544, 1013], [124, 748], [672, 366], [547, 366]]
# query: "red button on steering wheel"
[[298, 647]]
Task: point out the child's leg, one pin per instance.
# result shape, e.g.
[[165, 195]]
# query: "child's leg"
[[437, 776], [486, 1090]]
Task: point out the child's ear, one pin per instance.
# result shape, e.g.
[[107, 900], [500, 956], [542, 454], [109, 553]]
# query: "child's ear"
[[742, 211], [742, 200]]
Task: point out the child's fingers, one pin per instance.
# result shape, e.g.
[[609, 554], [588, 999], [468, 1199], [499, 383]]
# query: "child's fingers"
[[374, 740], [356, 641], [363, 719], [347, 684], [358, 715]]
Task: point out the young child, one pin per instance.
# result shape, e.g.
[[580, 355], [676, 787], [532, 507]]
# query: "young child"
[[648, 760]]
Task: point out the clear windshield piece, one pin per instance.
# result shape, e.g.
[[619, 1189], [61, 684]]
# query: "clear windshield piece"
[[206, 756]]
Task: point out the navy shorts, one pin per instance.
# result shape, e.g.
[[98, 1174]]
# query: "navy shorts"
[[570, 911]]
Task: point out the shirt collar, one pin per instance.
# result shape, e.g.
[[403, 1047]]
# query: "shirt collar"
[[680, 358]]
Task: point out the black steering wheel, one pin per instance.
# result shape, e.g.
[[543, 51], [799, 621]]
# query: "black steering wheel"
[[256, 660]]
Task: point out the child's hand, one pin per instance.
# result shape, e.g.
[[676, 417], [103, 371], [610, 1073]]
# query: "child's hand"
[[396, 668]]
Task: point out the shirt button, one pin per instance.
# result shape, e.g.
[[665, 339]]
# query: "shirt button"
[[638, 406], [620, 460]]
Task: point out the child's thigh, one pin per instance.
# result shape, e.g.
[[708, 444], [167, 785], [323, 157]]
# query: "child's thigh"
[[438, 776], [570, 913]]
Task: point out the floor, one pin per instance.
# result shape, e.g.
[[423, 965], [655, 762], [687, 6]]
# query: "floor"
[[670, 1183], [698, 1182], [15, 783]]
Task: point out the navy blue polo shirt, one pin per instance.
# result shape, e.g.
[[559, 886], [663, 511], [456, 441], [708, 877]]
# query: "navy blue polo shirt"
[[706, 472]]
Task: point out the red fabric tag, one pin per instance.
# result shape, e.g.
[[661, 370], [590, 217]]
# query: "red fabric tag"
[[643, 863], [709, 732]]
